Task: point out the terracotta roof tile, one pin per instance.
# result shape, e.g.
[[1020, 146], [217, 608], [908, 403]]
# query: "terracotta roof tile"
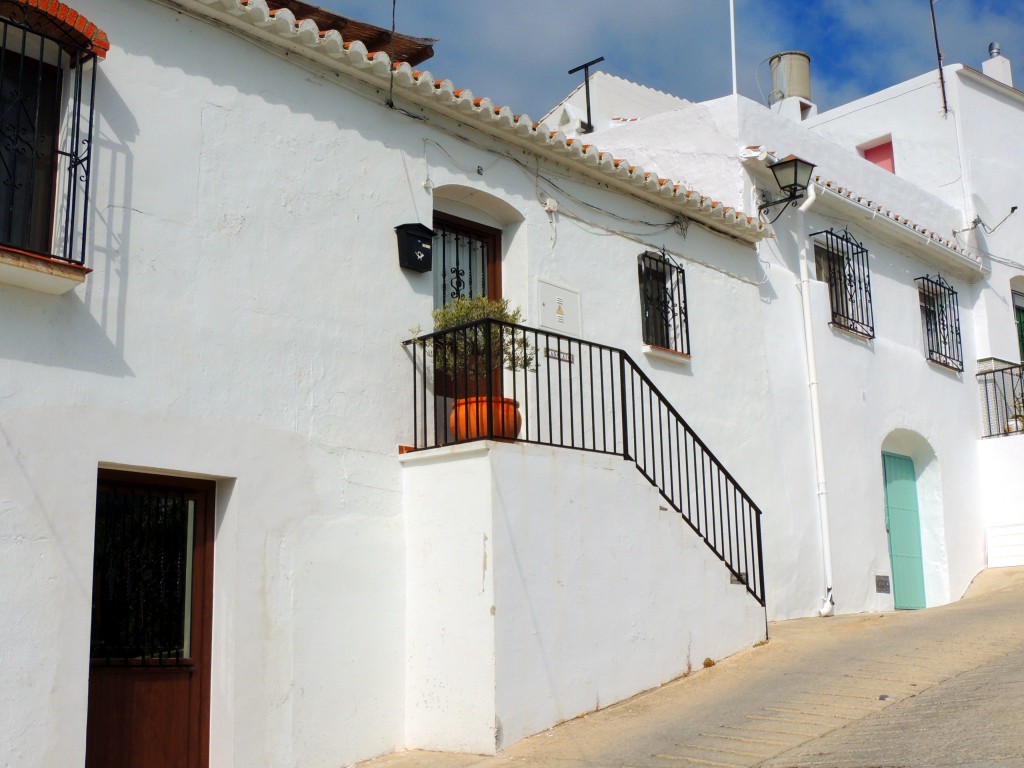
[[338, 41], [904, 221]]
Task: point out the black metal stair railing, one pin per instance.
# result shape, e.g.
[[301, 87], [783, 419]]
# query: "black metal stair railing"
[[571, 393], [1002, 401]]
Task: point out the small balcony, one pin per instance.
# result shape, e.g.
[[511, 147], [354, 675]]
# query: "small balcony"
[[492, 380], [548, 565], [1001, 393]]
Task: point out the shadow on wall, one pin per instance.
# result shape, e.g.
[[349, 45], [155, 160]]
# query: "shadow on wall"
[[110, 214], [84, 330], [908, 443]]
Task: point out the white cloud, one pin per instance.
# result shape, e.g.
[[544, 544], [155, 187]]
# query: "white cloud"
[[518, 53]]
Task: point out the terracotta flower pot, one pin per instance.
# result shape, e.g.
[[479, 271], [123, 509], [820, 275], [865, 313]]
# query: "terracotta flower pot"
[[472, 417]]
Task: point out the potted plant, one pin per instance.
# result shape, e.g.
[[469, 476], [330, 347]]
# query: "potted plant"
[[1015, 420], [469, 355]]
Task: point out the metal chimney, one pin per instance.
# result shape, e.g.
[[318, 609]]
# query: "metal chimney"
[[997, 66], [791, 76]]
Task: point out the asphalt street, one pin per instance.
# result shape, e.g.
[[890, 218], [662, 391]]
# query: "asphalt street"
[[932, 688]]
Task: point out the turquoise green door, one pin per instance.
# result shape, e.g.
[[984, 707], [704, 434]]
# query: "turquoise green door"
[[903, 523]]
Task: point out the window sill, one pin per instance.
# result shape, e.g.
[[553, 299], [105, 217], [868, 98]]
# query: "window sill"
[[39, 273], [946, 366], [853, 333], [666, 355]]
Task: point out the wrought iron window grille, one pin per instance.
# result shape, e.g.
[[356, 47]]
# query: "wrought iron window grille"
[[663, 302], [842, 262], [47, 89], [940, 321], [466, 260]]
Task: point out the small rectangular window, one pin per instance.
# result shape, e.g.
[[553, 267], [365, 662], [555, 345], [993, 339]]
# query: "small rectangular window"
[[842, 262], [940, 322], [663, 302], [882, 156]]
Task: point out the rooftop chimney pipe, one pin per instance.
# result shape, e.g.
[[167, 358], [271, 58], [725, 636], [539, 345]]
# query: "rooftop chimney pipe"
[[997, 66]]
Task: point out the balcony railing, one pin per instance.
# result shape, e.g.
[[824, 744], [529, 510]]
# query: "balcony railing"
[[494, 380], [1002, 401], [47, 97]]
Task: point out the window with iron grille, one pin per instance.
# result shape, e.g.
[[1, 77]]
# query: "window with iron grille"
[[663, 302], [467, 260], [940, 321], [47, 83], [842, 262]]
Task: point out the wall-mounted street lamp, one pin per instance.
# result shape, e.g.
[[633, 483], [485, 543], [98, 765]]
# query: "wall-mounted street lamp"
[[793, 176]]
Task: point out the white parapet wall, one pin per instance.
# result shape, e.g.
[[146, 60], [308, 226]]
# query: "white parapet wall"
[[1002, 487], [544, 583]]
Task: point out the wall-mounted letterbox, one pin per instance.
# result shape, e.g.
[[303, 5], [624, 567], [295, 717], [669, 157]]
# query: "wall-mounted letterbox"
[[414, 247]]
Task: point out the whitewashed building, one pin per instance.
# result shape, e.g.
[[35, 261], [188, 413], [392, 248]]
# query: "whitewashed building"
[[236, 527], [961, 139], [212, 551], [917, 203]]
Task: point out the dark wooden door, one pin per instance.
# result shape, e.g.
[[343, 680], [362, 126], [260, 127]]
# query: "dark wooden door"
[[149, 680], [466, 263]]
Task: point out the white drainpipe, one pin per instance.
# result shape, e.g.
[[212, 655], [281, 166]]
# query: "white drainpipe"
[[828, 603]]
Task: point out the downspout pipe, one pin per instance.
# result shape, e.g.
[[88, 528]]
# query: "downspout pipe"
[[828, 602]]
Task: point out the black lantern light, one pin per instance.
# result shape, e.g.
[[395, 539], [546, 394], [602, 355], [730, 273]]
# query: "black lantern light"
[[793, 176]]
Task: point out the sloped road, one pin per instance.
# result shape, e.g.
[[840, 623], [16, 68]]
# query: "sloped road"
[[939, 687]]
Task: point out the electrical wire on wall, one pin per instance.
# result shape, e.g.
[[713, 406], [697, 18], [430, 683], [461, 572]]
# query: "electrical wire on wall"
[[477, 169], [679, 222], [979, 222], [391, 55], [390, 101]]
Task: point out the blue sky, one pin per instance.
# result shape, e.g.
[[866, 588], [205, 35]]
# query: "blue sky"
[[518, 53]]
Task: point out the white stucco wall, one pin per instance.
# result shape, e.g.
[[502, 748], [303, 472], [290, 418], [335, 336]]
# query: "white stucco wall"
[[243, 322], [870, 389], [551, 584], [999, 462], [694, 144], [925, 142], [961, 157]]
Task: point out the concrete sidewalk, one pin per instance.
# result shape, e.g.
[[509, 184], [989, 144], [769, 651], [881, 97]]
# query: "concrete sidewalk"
[[942, 686]]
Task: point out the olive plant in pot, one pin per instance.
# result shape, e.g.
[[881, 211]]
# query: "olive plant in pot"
[[1015, 419], [469, 356]]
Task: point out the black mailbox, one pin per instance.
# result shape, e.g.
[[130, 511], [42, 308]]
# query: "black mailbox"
[[414, 247]]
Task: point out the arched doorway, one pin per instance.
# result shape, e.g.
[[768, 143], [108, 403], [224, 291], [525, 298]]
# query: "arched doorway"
[[903, 525], [914, 521]]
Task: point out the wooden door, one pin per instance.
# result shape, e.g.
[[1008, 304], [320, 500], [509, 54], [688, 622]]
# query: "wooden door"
[[903, 524], [149, 679], [466, 263]]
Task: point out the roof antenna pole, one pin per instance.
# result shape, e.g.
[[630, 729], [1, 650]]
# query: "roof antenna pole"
[[938, 55], [732, 36], [589, 127]]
